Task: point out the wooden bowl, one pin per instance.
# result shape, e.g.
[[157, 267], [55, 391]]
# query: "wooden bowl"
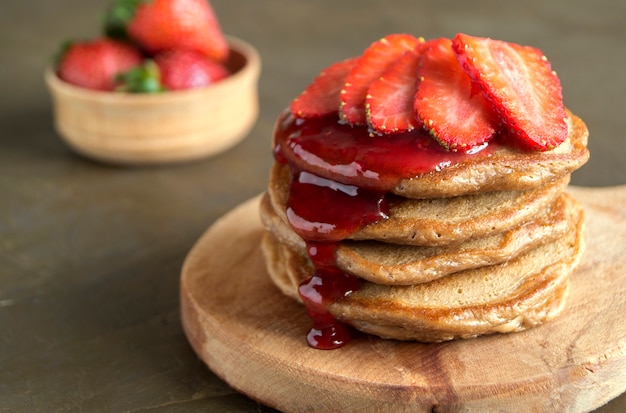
[[143, 129]]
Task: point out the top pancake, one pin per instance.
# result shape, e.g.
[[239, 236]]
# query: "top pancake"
[[438, 221], [506, 169]]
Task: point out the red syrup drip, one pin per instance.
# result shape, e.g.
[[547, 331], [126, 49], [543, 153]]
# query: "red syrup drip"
[[327, 284], [320, 209], [323, 212], [349, 154]]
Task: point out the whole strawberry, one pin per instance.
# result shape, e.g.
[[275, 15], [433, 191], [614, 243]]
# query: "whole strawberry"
[[172, 70], [186, 69], [159, 25], [95, 64]]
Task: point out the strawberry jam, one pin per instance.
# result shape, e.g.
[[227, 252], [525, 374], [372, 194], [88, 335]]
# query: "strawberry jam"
[[350, 155], [327, 284], [341, 180], [320, 209], [322, 212]]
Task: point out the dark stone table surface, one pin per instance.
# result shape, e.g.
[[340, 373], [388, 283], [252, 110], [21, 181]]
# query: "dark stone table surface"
[[90, 254]]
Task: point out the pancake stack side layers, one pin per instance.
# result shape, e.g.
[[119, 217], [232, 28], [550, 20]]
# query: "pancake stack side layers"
[[419, 192]]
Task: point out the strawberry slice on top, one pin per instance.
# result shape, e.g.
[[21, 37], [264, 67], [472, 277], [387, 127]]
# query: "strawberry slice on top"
[[389, 100], [321, 97], [520, 84], [447, 103], [377, 58]]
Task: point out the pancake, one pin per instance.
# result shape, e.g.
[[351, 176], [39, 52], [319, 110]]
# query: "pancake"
[[507, 169], [276, 256], [390, 264], [512, 296], [439, 221], [385, 263]]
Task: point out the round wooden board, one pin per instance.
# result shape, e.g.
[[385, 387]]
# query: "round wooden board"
[[253, 337]]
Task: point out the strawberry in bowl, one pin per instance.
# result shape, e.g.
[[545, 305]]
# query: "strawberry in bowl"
[[160, 25], [96, 64], [162, 84]]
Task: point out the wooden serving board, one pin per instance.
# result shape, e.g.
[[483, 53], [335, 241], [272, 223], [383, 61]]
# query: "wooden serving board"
[[253, 337]]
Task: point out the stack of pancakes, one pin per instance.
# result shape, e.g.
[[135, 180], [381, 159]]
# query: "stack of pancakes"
[[481, 247]]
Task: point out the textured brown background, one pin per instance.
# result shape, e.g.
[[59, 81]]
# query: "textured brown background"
[[90, 254]]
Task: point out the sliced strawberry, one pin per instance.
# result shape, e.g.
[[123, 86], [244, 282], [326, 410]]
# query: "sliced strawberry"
[[321, 97], [521, 85], [447, 103], [377, 58], [390, 98]]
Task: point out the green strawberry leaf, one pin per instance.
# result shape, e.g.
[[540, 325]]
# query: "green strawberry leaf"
[[117, 17], [141, 79], [60, 53]]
